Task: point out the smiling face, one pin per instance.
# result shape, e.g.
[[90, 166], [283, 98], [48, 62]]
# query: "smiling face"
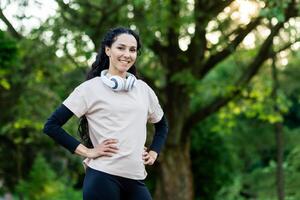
[[122, 54]]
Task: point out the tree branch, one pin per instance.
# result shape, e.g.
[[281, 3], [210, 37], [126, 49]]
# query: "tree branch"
[[219, 6], [172, 32], [155, 44], [214, 59], [106, 13], [210, 9], [198, 43], [10, 27], [158, 48], [74, 15], [262, 55], [68, 55], [91, 5], [115, 8], [285, 47]]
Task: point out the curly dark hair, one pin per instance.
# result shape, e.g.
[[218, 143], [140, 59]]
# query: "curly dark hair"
[[102, 63]]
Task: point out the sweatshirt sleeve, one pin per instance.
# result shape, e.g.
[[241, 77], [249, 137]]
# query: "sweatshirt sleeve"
[[155, 111], [77, 101]]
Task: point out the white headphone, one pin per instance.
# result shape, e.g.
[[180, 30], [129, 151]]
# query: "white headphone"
[[116, 83]]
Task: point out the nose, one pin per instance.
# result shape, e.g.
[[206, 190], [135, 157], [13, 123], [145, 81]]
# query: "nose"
[[127, 54]]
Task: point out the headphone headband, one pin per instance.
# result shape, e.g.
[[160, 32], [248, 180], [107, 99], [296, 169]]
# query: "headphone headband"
[[116, 83]]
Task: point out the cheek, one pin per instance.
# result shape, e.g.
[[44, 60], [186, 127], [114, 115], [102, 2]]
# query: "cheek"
[[116, 57], [134, 57]]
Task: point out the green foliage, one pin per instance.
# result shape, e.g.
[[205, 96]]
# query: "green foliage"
[[231, 192], [214, 168], [246, 125], [8, 58], [148, 66], [256, 102], [275, 9], [43, 183], [292, 174], [35, 76], [261, 183], [220, 81]]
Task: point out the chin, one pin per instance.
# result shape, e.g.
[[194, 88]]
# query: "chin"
[[124, 69]]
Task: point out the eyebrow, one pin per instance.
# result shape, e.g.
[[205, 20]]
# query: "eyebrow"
[[121, 44]]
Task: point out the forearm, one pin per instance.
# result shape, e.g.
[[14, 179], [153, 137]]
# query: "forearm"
[[160, 135], [53, 128]]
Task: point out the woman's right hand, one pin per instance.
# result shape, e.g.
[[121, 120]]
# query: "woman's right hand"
[[106, 148]]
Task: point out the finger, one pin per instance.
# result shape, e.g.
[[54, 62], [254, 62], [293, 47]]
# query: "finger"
[[145, 153], [149, 162], [110, 141], [146, 157], [151, 158], [107, 154], [111, 150], [146, 162], [105, 141], [112, 146], [113, 141]]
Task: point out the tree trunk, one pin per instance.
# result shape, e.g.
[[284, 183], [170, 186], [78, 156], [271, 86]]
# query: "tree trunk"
[[175, 181], [278, 136], [279, 152]]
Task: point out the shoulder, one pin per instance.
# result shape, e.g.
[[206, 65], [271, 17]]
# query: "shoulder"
[[88, 84], [142, 84], [145, 87]]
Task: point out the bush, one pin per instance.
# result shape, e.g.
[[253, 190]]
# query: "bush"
[[43, 183]]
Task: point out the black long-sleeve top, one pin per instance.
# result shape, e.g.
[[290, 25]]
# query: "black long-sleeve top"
[[53, 128]]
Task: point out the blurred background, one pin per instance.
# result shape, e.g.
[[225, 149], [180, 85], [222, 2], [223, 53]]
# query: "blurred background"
[[226, 72]]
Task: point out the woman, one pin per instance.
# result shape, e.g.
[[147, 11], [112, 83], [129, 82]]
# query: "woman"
[[114, 108]]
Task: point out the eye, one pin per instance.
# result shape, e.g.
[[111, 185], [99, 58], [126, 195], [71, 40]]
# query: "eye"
[[133, 50], [121, 48]]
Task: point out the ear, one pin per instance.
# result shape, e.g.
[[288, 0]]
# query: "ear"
[[107, 51]]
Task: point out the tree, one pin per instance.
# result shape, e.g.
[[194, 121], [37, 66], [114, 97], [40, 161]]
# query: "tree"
[[8, 58], [178, 72], [30, 88]]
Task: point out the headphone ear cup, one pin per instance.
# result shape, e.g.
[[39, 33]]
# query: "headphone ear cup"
[[118, 83], [129, 82], [106, 80]]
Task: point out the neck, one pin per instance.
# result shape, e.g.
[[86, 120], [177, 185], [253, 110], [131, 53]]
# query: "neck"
[[117, 73]]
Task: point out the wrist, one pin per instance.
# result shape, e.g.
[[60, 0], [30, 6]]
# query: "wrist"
[[88, 153], [83, 151]]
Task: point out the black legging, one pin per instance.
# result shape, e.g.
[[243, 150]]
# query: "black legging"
[[99, 185]]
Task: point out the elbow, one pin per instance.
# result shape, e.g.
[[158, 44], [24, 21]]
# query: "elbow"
[[48, 127], [166, 128]]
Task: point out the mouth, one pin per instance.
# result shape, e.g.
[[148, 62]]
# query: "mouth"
[[124, 61]]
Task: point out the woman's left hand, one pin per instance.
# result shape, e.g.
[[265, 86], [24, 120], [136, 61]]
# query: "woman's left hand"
[[149, 157]]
